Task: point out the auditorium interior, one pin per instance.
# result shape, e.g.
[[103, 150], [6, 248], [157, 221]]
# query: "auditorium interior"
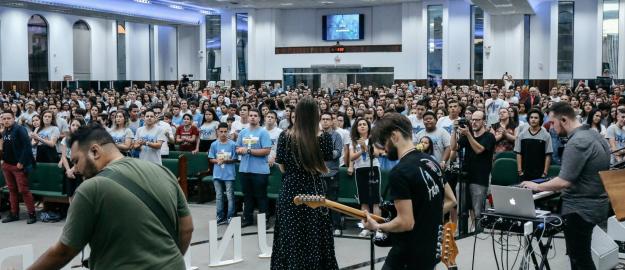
[[359, 60]]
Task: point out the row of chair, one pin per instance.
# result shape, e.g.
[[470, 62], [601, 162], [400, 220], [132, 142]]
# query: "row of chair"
[[194, 176], [505, 173], [45, 181]]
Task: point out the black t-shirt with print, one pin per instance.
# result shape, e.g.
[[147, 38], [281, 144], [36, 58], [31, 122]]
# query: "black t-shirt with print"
[[478, 166], [417, 249]]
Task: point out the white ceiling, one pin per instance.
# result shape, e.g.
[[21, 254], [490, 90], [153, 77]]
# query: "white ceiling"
[[505, 7], [290, 3]]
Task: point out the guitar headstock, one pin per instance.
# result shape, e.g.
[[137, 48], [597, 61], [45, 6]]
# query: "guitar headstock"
[[312, 201], [449, 250]]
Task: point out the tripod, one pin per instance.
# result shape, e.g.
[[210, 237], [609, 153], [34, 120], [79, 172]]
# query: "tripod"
[[463, 215]]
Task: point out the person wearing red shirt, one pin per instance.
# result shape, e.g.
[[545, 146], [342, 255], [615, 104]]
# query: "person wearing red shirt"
[[187, 134]]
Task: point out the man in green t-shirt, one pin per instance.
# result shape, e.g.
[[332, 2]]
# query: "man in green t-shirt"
[[121, 230]]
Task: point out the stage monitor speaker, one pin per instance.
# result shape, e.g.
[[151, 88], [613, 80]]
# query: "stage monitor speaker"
[[616, 230], [604, 250]]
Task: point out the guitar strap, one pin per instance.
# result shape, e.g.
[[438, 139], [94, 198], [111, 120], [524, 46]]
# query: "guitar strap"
[[157, 209]]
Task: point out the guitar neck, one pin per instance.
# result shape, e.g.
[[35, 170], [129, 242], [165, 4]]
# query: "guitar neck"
[[350, 211]]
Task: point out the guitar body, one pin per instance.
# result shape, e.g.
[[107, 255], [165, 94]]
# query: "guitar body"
[[388, 208]]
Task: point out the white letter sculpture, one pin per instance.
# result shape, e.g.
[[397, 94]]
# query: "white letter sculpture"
[[217, 250]]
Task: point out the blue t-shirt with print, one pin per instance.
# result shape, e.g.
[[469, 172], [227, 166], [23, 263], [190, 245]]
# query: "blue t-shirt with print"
[[258, 139], [197, 118], [227, 173], [177, 120]]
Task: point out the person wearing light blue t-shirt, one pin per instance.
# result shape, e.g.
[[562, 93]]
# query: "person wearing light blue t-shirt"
[[253, 146], [223, 155]]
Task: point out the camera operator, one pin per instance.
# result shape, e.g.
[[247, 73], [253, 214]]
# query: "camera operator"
[[478, 145]]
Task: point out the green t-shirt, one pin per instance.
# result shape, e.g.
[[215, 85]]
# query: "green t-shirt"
[[120, 229]]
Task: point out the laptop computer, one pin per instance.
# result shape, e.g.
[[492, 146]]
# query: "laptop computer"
[[515, 201]]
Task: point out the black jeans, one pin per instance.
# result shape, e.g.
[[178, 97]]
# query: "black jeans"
[[578, 236], [332, 193], [254, 189]]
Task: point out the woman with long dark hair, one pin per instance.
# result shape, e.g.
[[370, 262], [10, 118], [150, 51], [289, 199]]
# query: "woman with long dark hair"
[[504, 131], [71, 180], [594, 121], [46, 137], [121, 134], [208, 131], [360, 157], [303, 236]]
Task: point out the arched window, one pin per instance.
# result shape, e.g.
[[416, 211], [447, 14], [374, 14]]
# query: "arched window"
[[38, 52], [82, 51]]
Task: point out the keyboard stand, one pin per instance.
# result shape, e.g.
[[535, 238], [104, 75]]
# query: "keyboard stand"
[[543, 248]]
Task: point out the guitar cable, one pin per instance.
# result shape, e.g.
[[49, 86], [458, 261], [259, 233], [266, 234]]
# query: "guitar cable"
[[492, 234]]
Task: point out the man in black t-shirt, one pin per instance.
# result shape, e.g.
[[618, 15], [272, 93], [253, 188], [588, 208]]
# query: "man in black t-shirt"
[[478, 146], [418, 196]]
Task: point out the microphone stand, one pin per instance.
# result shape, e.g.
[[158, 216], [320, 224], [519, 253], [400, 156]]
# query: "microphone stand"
[[463, 215], [372, 182]]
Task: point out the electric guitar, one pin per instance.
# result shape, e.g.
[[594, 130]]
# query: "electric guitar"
[[449, 250], [315, 201]]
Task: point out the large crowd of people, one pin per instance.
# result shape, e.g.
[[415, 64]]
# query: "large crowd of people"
[[464, 125]]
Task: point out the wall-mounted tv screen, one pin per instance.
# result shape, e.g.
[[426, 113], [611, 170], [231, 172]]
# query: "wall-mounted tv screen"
[[340, 27]]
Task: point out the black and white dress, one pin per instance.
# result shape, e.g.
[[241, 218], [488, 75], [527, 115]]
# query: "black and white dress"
[[303, 235]]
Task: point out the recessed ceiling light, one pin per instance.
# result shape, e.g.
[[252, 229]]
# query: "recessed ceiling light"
[[175, 6], [205, 12], [326, 2], [286, 4], [143, 1]]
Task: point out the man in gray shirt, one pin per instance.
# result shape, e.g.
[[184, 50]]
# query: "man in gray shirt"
[[331, 177], [584, 200]]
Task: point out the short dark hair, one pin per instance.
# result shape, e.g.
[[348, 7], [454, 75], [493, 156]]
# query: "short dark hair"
[[560, 109], [541, 116], [132, 106], [274, 114], [93, 133], [387, 124], [222, 125], [431, 113], [251, 110], [9, 112]]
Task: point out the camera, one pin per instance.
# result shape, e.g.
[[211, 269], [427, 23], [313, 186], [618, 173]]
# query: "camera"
[[463, 122]]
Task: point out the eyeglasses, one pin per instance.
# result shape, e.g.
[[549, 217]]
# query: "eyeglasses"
[[475, 120]]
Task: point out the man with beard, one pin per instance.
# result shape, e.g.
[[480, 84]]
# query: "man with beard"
[[418, 196], [478, 146], [584, 199], [131, 212]]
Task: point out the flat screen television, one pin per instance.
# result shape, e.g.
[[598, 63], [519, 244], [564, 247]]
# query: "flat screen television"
[[343, 27]]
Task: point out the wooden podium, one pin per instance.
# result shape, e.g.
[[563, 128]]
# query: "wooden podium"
[[614, 183]]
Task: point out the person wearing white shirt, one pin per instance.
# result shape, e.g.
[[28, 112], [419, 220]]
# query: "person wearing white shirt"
[[492, 106], [242, 123], [132, 99], [274, 132], [149, 139], [416, 119], [447, 122]]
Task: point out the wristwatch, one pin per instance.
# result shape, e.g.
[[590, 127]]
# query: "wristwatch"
[[249, 151]]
